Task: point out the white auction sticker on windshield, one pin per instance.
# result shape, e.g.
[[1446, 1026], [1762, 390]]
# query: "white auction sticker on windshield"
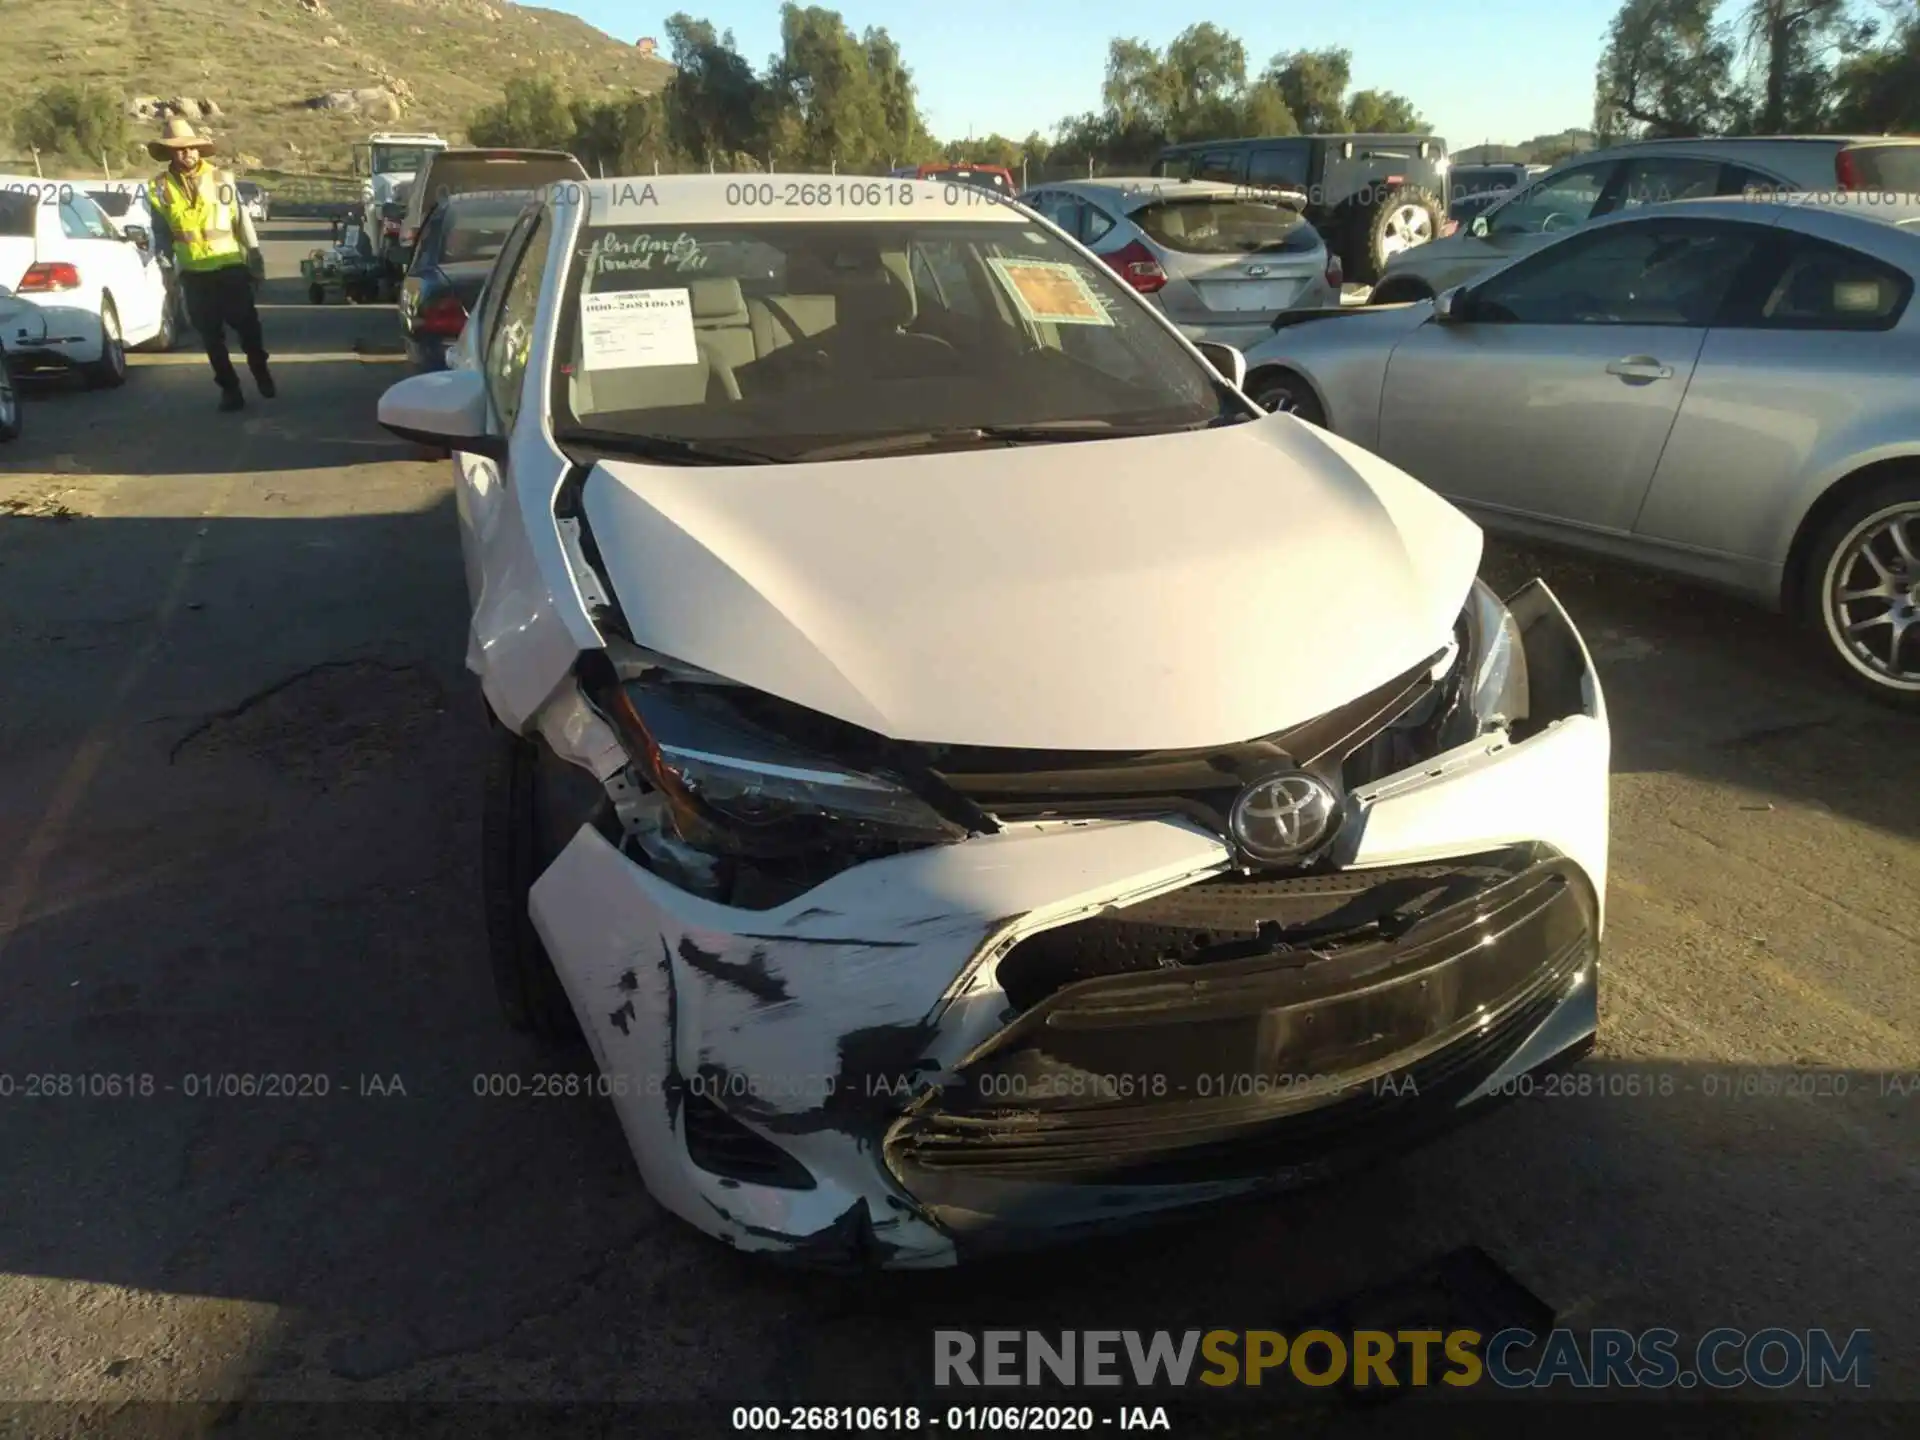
[[1049, 292], [634, 329]]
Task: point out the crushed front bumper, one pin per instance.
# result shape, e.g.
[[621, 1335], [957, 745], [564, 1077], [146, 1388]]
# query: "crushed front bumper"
[[1069, 1025]]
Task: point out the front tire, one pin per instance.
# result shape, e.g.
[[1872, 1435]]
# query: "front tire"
[[1283, 392], [109, 372], [1863, 592], [514, 852]]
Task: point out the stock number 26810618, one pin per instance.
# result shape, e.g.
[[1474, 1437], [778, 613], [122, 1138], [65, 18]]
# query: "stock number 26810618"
[[767, 193]]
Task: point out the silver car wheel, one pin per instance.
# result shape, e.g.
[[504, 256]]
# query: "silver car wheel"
[[1872, 597], [1407, 227], [9, 405]]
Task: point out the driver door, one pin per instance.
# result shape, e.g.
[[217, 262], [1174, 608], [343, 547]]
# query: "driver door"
[[478, 493], [1553, 394]]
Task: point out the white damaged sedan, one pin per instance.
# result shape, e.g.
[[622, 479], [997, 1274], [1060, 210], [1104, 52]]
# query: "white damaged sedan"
[[971, 777]]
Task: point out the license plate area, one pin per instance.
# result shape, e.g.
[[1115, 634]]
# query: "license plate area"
[[1247, 295]]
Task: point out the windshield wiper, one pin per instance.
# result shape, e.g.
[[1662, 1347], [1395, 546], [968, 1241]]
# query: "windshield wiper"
[[676, 448], [1050, 432]]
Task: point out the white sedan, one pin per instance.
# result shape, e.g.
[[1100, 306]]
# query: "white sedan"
[[968, 774], [88, 290]]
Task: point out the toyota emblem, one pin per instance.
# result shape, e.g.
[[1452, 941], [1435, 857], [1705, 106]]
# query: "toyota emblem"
[[1283, 817], [1256, 271]]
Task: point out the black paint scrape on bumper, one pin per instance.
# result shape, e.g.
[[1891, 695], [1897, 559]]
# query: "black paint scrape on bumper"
[[1254, 1028]]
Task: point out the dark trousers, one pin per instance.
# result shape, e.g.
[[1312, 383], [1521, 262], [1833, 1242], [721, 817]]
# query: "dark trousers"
[[215, 300]]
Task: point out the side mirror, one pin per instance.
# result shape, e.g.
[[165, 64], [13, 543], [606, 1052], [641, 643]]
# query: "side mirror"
[[1480, 228], [445, 410], [138, 235], [1229, 362], [1452, 307]]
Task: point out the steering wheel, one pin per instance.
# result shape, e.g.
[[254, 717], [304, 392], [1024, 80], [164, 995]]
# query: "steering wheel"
[[1567, 222]]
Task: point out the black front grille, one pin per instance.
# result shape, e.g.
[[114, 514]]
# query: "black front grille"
[[1235, 916], [1201, 783], [1250, 1064], [1164, 1153], [721, 1145]]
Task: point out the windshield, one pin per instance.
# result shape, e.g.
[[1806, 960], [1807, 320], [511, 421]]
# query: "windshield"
[[400, 159], [477, 229], [1887, 167], [114, 202], [1550, 204], [1223, 225], [787, 338], [1467, 207]]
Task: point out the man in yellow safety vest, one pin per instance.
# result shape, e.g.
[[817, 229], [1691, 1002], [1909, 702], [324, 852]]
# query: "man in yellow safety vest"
[[216, 255]]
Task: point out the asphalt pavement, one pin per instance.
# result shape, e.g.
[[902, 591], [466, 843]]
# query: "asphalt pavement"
[[239, 799]]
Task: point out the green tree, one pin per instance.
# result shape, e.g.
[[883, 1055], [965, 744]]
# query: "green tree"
[[831, 108], [1666, 69], [1193, 89], [1314, 85], [1877, 91], [994, 149], [715, 105], [1264, 111], [1206, 70], [532, 114], [1796, 45], [73, 121], [1136, 89], [624, 137], [907, 140], [1381, 112]]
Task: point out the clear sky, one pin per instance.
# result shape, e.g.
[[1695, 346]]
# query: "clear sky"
[[1501, 70]]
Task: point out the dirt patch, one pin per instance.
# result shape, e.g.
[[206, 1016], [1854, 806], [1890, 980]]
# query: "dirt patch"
[[37, 507], [327, 726]]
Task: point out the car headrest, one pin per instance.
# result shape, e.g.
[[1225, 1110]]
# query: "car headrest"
[[871, 300], [716, 298]]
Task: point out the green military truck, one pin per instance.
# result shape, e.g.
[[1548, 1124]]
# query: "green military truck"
[[1369, 196]]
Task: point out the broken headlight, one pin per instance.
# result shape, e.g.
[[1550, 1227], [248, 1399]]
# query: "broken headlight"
[[735, 787], [1481, 687], [1496, 682]]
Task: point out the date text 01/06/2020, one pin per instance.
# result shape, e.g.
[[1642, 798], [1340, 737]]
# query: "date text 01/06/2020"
[[955, 1419]]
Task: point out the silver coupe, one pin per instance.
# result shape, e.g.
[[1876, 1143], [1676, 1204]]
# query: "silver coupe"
[[1726, 389]]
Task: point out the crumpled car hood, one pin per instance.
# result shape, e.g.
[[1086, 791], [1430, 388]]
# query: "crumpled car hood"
[[1165, 592]]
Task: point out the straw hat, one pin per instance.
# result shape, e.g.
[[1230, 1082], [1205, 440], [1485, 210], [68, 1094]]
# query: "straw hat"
[[179, 135]]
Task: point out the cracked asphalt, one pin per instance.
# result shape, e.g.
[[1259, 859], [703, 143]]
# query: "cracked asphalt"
[[238, 837]]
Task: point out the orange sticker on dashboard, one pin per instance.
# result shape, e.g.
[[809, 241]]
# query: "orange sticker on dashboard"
[[1051, 293]]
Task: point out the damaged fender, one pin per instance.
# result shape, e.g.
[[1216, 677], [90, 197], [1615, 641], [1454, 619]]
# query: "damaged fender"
[[808, 1019]]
